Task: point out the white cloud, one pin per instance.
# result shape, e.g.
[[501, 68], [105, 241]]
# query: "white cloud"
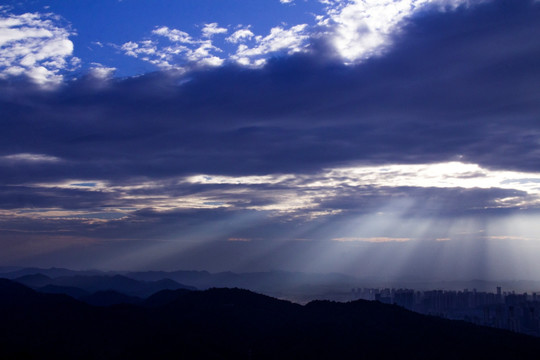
[[212, 29], [101, 72], [240, 35], [202, 55], [329, 182], [35, 45], [148, 51], [184, 49], [130, 48], [173, 35], [286, 1], [291, 40], [360, 29]]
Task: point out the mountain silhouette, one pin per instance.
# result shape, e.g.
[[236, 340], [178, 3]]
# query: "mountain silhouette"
[[236, 324], [109, 297], [34, 280], [95, 283], [67, 290]]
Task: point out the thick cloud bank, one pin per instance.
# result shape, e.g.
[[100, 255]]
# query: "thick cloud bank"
[[299, 147], [457, 85]]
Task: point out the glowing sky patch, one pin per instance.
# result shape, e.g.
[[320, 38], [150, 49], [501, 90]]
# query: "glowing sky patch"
[[239, 239], [371, 240], [364, 28], [30, 158], [441, 175]]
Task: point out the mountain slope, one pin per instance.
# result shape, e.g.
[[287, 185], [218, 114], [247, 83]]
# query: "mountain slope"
[[236, 324]]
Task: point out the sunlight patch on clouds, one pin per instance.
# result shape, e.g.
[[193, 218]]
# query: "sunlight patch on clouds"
[[88, 185], [510, 238], [440, 175], [330, 192], [236, 239], [36, 46], [287, 202], [163, 204], [307, 191], [256, 179], [27, 157], [371, 239], [360, 29], [89, 216]]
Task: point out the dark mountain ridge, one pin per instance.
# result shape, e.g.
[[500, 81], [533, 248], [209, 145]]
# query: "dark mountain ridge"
[[95, 283], [239, 324]]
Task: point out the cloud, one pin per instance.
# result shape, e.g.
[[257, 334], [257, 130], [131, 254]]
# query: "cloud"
[[203, 55], [36, 46], [403, 145], [212, 29], [372, 239], [360, 29], [182, 51], [173, 35], [101, 72], [354, 30], [186, 51], [240, 35], [300, 114], [29, 158], [239, 239], [290, 41]]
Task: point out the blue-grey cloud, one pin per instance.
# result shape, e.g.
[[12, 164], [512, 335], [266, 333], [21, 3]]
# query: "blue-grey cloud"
[[107, 159], [455, 84]]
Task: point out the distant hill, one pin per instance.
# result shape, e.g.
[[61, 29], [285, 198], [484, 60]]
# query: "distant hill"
[[50, 272], [34, 280], [108, 298], [67, 290], [164, 297], [237, 324], [260, 281], [293, 285], [95, 283], [296, 286]]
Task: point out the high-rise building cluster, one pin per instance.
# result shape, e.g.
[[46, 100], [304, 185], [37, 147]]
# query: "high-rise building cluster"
[[503, 310]]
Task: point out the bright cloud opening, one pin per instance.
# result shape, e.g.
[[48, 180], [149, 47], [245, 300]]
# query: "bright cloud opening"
[[360, 29]]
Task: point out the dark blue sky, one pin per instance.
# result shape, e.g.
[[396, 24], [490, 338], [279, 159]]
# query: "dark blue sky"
[[375, 138]]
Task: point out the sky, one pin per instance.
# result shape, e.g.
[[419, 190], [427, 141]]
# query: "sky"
[[378, 138]]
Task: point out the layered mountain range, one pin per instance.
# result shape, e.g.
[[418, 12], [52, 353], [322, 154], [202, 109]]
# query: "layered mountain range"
[[224, 323]]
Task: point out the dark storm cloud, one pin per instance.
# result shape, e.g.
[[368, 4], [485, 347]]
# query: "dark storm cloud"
[[461, 83], [14, 197]]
